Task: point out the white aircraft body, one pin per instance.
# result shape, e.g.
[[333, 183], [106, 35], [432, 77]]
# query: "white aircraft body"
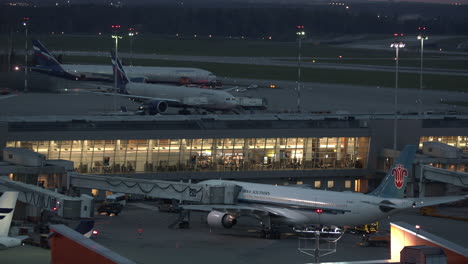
[[301, 207], [157, 97], [151, 74], [176, 75], [7, 207]]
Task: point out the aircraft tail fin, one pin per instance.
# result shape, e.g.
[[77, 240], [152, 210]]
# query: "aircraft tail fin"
[[394, 183], [45, 59], [7, 207], [122, 79]]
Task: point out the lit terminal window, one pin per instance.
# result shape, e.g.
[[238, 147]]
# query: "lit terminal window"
[[317, 184], [209, 154], [348, 184], [330, 184]]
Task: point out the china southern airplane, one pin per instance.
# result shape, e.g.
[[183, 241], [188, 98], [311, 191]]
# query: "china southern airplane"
[[7, 207], [277, 206], [158, 97], [48, 64]]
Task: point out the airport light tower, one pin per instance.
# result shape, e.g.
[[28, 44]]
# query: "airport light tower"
[[116, 36], [421, 37], [397, 45], [25, 24], [131, 33], [300, 35]]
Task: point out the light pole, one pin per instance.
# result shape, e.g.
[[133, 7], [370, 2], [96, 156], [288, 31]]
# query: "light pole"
[[422, 38], [116, 36], [131, 34], [300, 35], [397, 45], [25, 24]]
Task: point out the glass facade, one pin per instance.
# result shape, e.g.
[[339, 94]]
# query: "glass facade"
[[460, 142], [220, 154]]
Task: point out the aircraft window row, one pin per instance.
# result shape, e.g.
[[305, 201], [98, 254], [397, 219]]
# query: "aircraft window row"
[[223, 154]]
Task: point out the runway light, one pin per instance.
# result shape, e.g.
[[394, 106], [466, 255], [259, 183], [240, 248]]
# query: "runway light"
[[54, 208], [17, 68], [318, 211], [95, 232], [418, 227]]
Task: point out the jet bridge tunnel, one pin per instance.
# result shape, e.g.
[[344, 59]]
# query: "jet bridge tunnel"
[[186, 192], [43, 199]]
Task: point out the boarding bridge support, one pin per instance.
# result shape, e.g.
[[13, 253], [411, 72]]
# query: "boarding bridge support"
[[43, 199], [182, 191], [455, 178]]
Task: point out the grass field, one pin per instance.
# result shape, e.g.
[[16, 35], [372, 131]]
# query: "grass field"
[[205, 46], [381, 79]]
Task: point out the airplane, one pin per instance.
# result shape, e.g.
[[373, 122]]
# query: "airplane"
[[7, 207], [276, 206], [157, 98], [175, 75]]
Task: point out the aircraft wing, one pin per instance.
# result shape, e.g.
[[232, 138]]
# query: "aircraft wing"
[[108, 90], [21, 237], [428, 201], [257, 209], [7, 96], [149, 98], [234, 209]]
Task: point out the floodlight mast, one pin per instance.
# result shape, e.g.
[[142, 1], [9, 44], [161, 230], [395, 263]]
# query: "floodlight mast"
[[300, 35], [397, 46], [422, 38], [25, 24], [116, 36]]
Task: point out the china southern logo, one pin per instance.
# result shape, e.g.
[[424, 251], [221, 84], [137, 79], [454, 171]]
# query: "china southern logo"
[[399, 173], [5, 211]]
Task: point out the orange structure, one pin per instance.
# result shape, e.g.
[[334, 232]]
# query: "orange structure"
[[70, 247], [403, 234]]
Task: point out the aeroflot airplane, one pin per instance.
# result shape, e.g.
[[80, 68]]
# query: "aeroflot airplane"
[[7, 207], [48, 64], [293, 206]]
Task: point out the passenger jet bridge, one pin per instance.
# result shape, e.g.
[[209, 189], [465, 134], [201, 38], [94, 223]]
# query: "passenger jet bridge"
[[431, 173], [43, 199], [187, 192]]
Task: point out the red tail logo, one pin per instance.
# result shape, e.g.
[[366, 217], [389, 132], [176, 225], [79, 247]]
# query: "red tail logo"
[[399, 173]]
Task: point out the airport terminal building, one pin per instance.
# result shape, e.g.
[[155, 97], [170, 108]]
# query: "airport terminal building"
[[326, 152]]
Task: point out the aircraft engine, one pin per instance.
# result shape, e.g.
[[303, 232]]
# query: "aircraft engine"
[[155, 107], [218, 219]]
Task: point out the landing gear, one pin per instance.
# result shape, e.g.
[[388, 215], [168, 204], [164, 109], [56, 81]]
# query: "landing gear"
[[270, 234], [268, 230]]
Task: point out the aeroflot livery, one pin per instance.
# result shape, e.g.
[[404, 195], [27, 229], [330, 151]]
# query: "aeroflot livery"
[[7, 207], [293, 206], [176, 75]]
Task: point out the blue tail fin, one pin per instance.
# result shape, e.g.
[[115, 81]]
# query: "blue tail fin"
[[394, 183], [122, 79], [45, 59]]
